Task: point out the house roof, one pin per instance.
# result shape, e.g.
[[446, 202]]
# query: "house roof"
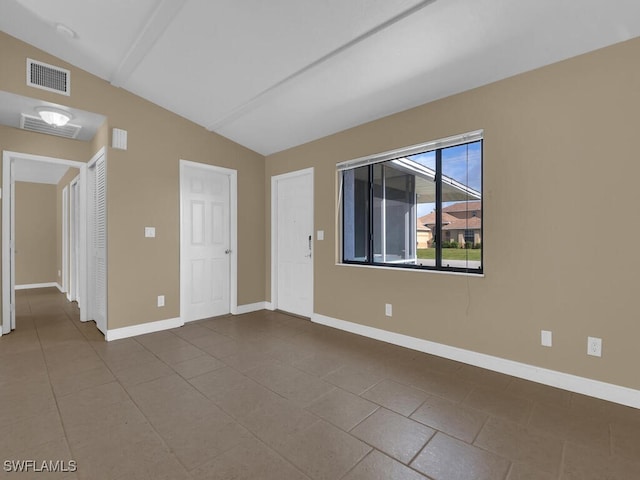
[[449, 222], [463, 207]]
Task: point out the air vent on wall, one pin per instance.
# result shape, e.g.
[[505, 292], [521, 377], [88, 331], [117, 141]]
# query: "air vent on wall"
[[47, 77], [36, 124]]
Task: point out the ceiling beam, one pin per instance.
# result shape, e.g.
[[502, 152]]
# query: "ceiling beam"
[[269, 92], [160, 19]]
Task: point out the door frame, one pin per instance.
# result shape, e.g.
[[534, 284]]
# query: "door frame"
[[233, 232], [74, 228], [65, 241], [89, 298], [8, 254], [274, 232]]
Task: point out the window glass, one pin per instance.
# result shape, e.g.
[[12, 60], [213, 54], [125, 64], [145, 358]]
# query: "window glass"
[[356, 214], [462, 205], [420, 211]]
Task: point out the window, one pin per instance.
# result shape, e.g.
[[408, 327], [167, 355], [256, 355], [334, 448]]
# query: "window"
[[418, 207]]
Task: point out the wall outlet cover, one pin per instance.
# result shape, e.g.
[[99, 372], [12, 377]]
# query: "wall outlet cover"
[[546, 338], [594, 346]]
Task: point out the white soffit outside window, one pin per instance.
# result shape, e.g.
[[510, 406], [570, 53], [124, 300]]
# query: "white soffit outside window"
[[411, 150]]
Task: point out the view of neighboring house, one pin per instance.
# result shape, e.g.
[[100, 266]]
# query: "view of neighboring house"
[[461, 222]]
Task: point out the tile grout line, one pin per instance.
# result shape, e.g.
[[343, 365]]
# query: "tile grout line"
[[421, 449], [160, 437], [363, 420], [475, 437], [53, 394]]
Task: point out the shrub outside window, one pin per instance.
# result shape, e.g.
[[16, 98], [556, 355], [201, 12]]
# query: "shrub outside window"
[[417, 207]]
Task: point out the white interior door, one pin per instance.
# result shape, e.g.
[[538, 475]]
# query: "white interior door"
[[98, 239], [205, 239], [292, 236]]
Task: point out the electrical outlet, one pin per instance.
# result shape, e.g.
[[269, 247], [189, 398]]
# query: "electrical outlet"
[[546, 339], [161, 300], [594, 346], [388, 309]]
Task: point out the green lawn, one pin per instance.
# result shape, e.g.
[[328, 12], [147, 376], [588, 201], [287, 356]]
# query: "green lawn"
[[450, 253]]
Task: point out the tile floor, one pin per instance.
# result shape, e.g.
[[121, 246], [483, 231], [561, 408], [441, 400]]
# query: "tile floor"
[[270, 396]]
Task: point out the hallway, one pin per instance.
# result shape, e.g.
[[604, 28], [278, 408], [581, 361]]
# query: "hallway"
[[270, 396]]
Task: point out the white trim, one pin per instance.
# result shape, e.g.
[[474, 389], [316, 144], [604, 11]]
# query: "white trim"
[[565, 381], [59, 287], [269, 306], [273, 304], [7, 158], [149, 33], [233, 230], [65, 240], [28, 286], [250, 307], [142, 328], [89, 295], [74, 230], [401, 269]]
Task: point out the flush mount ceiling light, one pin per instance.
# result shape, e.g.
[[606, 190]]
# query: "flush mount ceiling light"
[[54, 116], [65, 31]]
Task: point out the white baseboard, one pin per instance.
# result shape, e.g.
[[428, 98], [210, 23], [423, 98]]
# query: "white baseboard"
[[565, 381], [36, 285], [141, 329], [59, 287], [269, 306], [250, 307]]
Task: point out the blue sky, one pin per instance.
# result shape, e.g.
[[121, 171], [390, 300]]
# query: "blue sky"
[[462, 163]]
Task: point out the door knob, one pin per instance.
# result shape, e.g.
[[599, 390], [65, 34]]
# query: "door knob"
[[227, 251]]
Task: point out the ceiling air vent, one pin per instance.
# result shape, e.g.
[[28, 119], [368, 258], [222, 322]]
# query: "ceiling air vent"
[[47, 77], [36, 124]]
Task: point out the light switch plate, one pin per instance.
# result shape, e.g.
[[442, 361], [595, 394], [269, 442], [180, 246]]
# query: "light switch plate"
[[161, 300], [320, 235], [546, 339], [150, 232]]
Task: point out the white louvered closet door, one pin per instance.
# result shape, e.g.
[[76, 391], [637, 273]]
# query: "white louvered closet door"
[[99, 244]]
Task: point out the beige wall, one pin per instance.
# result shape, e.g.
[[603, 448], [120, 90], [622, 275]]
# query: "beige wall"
[[559, 139], [143, 187], [35, 209]]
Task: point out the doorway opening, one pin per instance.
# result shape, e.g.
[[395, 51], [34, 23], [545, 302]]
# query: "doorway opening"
[[23, 167]]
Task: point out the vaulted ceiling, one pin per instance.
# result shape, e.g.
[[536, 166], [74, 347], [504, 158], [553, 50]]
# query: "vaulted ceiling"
[[274, 74]]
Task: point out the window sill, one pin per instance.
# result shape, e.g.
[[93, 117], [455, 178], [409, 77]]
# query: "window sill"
[[419, 270]]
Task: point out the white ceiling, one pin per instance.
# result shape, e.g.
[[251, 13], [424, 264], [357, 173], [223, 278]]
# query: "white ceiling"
[[274, 74], [12, 106], [34, 171]]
